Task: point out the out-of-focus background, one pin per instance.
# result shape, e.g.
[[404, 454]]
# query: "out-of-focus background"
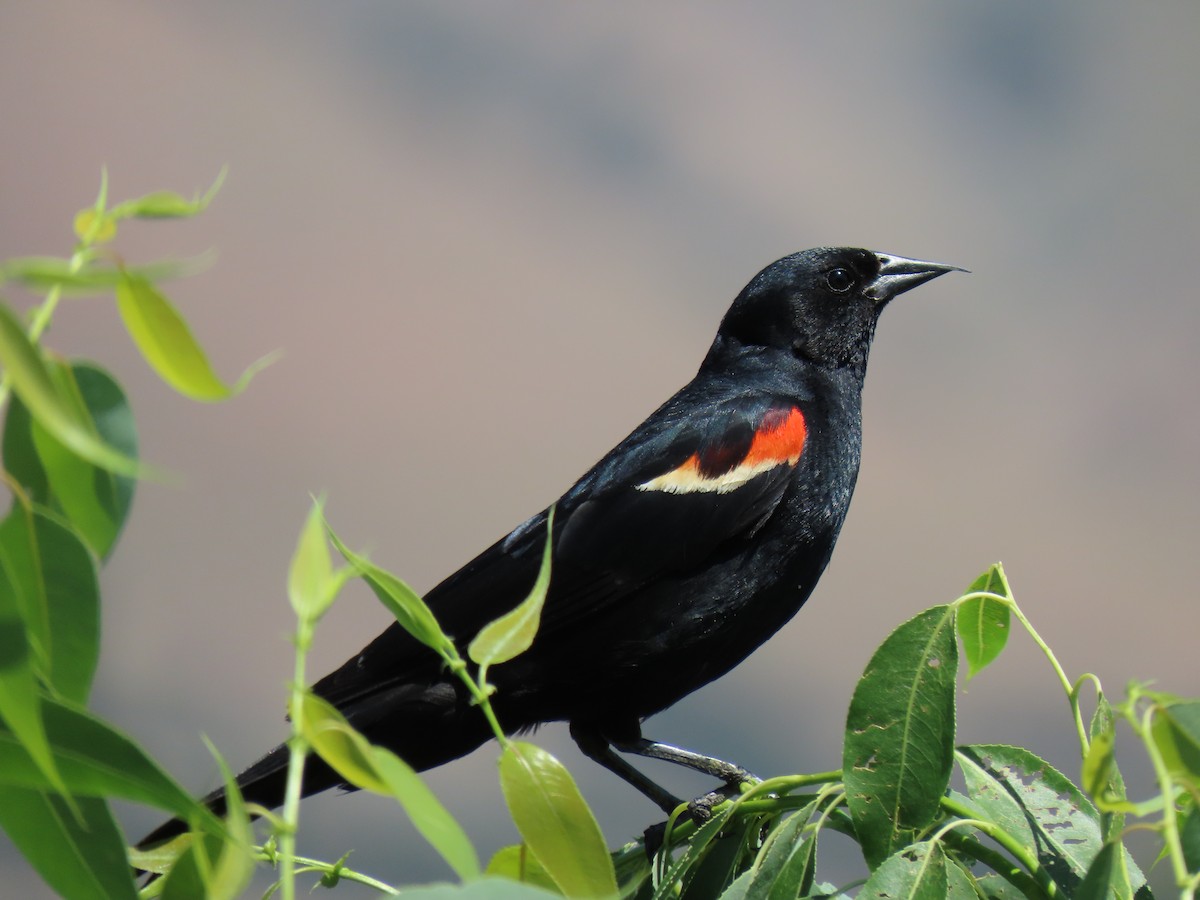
[[490, 238]]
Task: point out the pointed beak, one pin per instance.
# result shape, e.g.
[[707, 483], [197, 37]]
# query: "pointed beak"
[[898, 274]]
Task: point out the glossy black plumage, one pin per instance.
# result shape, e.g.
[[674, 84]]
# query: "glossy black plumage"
[[675, 556]]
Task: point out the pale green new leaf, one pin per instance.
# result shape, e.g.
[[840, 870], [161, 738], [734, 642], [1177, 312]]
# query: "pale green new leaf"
[[982, 621], [167, 344], [513, 633], [168, 204], [380, 771], [402, 602], [555, 821], [312, 582]]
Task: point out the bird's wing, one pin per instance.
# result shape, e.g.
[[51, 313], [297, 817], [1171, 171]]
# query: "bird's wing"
[[667, 498]]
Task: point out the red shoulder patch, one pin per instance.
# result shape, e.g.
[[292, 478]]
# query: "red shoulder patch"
[[778, 440]]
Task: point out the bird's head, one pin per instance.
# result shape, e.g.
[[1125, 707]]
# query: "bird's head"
[[822, 304]]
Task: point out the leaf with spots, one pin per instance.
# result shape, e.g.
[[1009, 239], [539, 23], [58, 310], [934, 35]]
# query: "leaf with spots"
[[913, 873], [1039, 806], [899, 743]]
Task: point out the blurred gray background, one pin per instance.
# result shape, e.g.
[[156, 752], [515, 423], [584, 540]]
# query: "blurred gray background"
[[490, 238]]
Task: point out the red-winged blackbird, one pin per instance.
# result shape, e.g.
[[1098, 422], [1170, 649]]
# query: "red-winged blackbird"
[[678, 554]]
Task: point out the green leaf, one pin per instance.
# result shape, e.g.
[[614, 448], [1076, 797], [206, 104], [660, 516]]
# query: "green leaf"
[[738, 887], [71, 589], [516, 863], [1112, 792], [555, 821], [26, 603], [401, 601], [380, 771], [1099, 764], [78, 852], [917, 872], [685, 865], [43, 274], [983, 622], [992, 801], [899, 741], [167, 343], [36, 386], [961, 884], [96, 760], [1176, 731], [112, 416], [513, 633], [72, 480], [724, 862], [1189, 837], [784, 869], [94, 500], [312, 583], [1098, 883], [92, 227], [20, 456], [1052, 817], [21, 709], [168, 204], [234, 866], [54, 588]]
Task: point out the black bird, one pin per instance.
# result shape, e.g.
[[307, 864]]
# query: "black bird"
[[686, 547]]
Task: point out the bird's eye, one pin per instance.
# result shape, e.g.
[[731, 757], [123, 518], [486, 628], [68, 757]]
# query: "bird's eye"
[[839, 280]]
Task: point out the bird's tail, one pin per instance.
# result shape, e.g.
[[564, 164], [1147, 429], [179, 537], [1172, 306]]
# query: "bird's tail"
[[424, 725]]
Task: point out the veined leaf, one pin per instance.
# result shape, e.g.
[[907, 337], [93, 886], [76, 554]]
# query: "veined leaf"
[[79, 852], [1052, 817], [516, 863], [1176, 731], [96, 760], [784, 869], [53, 579], [899, 740], [983, 622], [555, 821], [913, 873]]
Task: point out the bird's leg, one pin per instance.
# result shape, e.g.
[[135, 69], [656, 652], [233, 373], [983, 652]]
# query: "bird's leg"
[[733, 775], [595, 746], [727, 772]]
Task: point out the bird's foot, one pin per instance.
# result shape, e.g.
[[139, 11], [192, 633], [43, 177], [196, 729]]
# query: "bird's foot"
[[699, 810]]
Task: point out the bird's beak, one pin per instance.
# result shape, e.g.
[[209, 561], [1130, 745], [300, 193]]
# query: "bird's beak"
[[898, 274]]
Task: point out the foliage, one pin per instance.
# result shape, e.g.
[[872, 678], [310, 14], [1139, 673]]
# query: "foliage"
[[1019, 828]]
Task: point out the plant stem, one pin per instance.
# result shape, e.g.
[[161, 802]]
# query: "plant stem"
[[997, 862], [479, 694], [1166, 785], [297, 750], [1009, 843], [1069, 688]]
